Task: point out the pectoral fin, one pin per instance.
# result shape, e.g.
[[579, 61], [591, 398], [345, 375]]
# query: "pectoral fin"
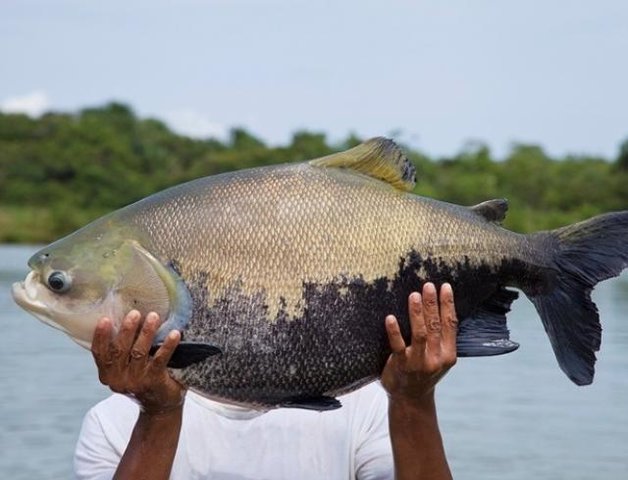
[[189, 353]]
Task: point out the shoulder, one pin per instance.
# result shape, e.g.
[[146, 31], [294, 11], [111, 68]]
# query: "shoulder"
[[372, 447], [104, 435], [113, 417], [371, 405], [115, 406], [366, 401], [370, 400], [372, 393]]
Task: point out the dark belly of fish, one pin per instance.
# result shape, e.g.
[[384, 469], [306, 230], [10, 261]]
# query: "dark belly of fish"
[[337, 344]]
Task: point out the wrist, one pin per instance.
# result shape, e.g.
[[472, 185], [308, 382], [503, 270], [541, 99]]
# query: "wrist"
[[409, 416], [152, 407], [160, 411], [422, 405]]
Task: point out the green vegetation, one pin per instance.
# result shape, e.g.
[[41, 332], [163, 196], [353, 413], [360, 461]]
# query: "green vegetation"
[[62, 170]]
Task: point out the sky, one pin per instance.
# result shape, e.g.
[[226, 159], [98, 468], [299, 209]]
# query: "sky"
[[433, 74]]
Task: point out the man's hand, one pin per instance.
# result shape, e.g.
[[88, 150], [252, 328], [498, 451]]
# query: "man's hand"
[[126, 366], [410, 376], [413, 371], [124, 363]]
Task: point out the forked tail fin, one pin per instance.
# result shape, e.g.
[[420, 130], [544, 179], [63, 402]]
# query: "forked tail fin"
[[585, 254]]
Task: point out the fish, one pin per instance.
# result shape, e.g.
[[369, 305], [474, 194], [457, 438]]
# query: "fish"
[[279, 278]]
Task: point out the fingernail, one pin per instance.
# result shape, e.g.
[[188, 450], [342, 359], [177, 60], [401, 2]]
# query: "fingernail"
[[131, 318], [104, 322], [415, 297], [429, 288], [446, 287]]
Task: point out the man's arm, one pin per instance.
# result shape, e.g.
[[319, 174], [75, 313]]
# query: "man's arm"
[[124, 364], [410, 377]]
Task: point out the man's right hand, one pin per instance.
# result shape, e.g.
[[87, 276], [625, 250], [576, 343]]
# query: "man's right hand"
[[125, 366]]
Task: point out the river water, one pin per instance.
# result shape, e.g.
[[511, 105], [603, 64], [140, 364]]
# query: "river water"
[[510, 417]]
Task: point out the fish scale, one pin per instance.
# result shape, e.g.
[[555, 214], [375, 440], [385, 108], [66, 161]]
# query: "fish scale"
[[368, 245]]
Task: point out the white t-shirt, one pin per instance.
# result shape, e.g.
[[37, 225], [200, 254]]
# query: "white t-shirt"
[[224, 442]]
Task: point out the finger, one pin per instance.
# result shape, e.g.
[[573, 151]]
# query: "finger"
[[101, 340], [432, 319], [449, 323], [164, 354], [121, 345], [417, 322], [138, 358], [395, 339]]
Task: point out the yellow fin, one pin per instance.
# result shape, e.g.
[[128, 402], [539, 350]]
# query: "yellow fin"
[[379, 158]]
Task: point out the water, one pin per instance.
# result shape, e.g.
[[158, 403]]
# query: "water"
[[47, 384], [506, 418]]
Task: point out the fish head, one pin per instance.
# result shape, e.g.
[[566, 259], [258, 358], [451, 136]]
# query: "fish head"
[[90, 274]]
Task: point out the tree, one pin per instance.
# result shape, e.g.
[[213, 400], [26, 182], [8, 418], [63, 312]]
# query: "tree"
[[622, 158], [61, 170], [309, 145], [240, 139]]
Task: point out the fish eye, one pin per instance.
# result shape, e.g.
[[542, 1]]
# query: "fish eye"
[[59, 282]]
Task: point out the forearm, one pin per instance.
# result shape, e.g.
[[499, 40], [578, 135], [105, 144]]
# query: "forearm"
[[152, 447], [417, 445]]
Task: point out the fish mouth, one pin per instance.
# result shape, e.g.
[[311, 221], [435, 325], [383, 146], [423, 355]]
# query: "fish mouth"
[[25, 295]]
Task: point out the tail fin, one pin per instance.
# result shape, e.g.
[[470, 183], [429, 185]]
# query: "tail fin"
[[585, 254]]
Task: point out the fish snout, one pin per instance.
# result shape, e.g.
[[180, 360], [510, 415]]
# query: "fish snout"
[[25, 293], [38, 260]]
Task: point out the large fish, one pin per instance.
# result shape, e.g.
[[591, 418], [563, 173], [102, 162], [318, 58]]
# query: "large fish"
[[280, 277]]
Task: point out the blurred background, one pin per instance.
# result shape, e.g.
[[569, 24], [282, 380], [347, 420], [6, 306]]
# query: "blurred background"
[[103, 104]]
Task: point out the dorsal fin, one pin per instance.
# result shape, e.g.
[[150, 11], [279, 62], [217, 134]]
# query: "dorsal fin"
[[379, 158], [493, 210]]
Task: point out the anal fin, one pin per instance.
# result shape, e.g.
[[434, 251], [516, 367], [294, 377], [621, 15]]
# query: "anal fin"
[[188, 353], [485, 333]]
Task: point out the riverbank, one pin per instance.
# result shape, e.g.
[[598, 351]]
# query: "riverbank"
[[61, 170]]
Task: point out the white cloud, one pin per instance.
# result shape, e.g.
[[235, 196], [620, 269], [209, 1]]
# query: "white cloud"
[[32, 104], [195, 124]]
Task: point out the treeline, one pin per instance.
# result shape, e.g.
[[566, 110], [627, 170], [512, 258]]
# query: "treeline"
[[62, 170]]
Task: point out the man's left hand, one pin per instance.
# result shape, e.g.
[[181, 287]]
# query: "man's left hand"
[[412, 371]]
